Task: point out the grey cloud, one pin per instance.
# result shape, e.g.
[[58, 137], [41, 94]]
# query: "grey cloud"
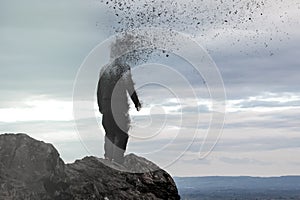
[[261, 124], [261, 103], [282, 119], [58, 44], [243, 161], [69, 149], [43, 45], [271, 73], [258, 144], [195, 109], [205, 161], [36, 127]]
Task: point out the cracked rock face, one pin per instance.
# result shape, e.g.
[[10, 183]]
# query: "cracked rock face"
[[31, 169]]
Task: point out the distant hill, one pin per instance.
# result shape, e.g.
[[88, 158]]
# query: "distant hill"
[[243, 187]]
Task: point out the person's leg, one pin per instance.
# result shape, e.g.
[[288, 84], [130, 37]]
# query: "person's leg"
[[109, 135], [108, 148], [121, 138]]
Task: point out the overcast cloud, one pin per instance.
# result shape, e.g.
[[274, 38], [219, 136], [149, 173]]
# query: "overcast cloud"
[[42, 45]]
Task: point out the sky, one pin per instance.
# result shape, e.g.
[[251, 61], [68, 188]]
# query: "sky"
[[43, 46]]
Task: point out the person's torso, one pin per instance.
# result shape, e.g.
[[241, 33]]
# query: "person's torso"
[[113, 87]]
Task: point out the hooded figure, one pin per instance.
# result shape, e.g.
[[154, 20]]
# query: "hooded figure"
[[114, 84]]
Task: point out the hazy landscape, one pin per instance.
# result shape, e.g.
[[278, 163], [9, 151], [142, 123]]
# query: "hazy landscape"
[[243, 187]]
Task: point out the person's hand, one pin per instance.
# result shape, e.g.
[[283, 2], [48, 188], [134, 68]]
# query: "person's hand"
[[138, 106]]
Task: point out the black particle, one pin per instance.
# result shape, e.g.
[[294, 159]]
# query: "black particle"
[[194, 18]]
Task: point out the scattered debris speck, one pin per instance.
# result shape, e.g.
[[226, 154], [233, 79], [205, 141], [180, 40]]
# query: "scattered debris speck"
[[200, 17]]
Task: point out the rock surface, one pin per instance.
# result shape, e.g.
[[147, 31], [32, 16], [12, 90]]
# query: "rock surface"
[[31, 169]]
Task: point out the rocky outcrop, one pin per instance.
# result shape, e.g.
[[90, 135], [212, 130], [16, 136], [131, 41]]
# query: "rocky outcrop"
[[31, 169]]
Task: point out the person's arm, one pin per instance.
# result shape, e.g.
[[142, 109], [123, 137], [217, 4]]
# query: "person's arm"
[[131, 90], [99, 94], [136, 101]]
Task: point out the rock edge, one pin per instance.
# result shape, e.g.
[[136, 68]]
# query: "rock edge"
[[32, 169]]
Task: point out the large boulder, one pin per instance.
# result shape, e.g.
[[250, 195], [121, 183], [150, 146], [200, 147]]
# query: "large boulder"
[[31, 169], [27, 167]]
